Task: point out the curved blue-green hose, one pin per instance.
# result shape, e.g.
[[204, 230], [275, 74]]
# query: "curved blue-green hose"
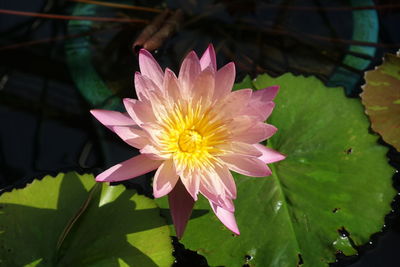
[[89, 83], [79, 60], [366, 29]]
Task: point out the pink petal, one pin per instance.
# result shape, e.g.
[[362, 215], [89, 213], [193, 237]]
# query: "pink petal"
[[164, 179], [128, 169], [208, 58], [191, 181], [269, 155], [227, 179], [143, 86], [241, 124], [150, 68], [266, 94], [251, 133], [233, 103], [111, 118], [260, 104], [260, 132], [259, 109], [133, 135], [240, 148], [226, 217], [213, 189], [152, 132], [153, 153], [158, 105], [224, 80], [140, 111], [249, 166], [203, 87], [181, 205], [188, 73], [171, 85]]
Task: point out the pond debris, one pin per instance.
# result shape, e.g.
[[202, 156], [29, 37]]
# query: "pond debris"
[[349, 151], [300, 262], [335, 210], [154, 35]]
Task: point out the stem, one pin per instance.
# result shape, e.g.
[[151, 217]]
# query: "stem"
[[122, 6], [66, 17], [340, 8]]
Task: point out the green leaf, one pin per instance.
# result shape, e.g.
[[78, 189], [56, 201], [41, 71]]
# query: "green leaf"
[[246, 83], [335, 179], [67, 221], [381, 98]]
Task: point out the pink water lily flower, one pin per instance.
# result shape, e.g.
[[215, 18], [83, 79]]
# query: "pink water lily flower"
[[193, 130]]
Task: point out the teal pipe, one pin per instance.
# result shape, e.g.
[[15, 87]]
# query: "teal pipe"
[[366, 29]]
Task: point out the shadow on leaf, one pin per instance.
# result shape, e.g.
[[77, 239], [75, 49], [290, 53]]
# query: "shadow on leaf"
[[110, 226]]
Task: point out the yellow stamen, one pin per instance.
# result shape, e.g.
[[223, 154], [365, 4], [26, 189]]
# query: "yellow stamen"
[[191, 134], [190, 141]]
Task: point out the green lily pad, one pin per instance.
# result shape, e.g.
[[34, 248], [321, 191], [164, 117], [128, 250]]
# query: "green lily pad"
[[381, 98], [330, 194], [70, 221]]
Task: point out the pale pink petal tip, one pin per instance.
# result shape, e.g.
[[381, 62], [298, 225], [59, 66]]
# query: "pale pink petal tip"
[[150, 68], [224, 80], [269, 155], [128, 169], [192, 186], [131, 136], [208, 58], [164, 179], [188, 73], [144, 85], [226, 217], [269, 93], [249, 166], [128, 102], [111, 118]]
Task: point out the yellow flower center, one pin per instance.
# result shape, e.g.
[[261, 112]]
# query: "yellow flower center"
[[190, 141], [191, 135]]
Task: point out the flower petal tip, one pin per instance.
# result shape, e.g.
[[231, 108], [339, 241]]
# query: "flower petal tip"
[[144, 52], [157, 195], [101, 179], [208, 59], [192, 53], [282, 156], [269, 155], [271, 92], [194, 196], [127, 100], [267, 174], [211, 46], [234, 230], [237, 232], [264, 173], [96, 112], [179, 234]]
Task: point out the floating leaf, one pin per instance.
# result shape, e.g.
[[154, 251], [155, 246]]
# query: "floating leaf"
[[381, 98], [335, 180], [65, 221], [246, 83]]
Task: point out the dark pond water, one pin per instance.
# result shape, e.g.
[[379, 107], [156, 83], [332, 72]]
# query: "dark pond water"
[[45, 124]]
